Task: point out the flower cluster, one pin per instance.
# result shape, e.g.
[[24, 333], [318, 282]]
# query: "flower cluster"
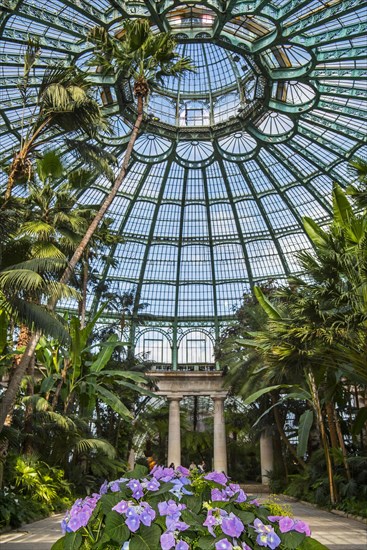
[[80, 513], [289, 524], [172, 512], [135, 514], [173, 509]]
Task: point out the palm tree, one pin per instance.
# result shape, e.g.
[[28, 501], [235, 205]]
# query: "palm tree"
[[64, 103], [138, 55]]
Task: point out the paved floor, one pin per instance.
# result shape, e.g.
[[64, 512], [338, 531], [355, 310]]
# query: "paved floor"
[[335, 532]]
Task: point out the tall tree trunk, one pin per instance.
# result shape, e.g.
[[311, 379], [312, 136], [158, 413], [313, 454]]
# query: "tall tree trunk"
[[330, 415], [342, 446], [11, 393], [64, 371], [317, 406], [283, 436], [83, 302], [29, 410], [12, 390]]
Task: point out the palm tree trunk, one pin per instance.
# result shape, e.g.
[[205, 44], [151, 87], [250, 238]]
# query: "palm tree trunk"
[[331, 423], [108, 200], [83, 305], [28, 415], [12, 391], [342, 445], [317, 405], [284, 438]]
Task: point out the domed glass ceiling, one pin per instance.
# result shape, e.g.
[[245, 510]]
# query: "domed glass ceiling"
[[232, 157]]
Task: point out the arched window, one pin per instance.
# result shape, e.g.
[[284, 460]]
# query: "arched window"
[[154, 346], [195, 347]]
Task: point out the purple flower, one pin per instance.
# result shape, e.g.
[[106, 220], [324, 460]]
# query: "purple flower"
[[219, 495], [223, 544], [182, 545], [152, 485], [232, 525], [274, 518], [165, 474], [218, 477], [255, 502], [245, 546], [286, 524], [136, 487], [74, 524], [103, 488], [184, 471], [211, 521], [122, 506], [269, 539], [167, 541], [132, 519], [115, 487], [302, 527]]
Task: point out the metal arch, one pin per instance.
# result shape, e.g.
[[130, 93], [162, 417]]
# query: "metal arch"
[[154, 329], [266, 218], [211, 251], [133, 200], [298, 179], [149, 242], [324, 15], [237, 222], [195, 329], [180, 238]]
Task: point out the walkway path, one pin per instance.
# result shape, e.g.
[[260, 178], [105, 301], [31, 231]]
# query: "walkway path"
[[337, 533]]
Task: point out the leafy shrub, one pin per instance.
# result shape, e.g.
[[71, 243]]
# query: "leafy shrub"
[[34, 490], [171, 509]]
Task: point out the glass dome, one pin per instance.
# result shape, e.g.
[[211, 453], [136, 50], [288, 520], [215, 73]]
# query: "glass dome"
[[231, 158]]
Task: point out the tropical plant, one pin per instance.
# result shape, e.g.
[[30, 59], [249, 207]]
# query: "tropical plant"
[[64, 102], [140, 55]]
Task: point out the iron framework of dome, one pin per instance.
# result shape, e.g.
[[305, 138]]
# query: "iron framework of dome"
[[231, 158]]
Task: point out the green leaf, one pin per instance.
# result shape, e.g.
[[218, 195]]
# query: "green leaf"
[[305, 424], [245, 517], [146, 539], [3, 330], [292, 539], [315, 233], [360, 421], [342, 209], [47, 384], [311, 544], [72, 541], [193, 503], [49, 166], [108, 501], [116, 528], [59, 544], [138, 472], [267, 306], [254, 396], [111, 400], [105, 354], [206, 543]]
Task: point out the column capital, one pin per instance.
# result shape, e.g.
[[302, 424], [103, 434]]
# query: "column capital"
[[219, 396], [174, 397]]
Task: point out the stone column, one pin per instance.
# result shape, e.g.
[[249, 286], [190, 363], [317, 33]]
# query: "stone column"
[[266, 456], [220, 444], [174, 435]]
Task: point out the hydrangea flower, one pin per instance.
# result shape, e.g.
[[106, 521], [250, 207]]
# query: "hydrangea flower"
[[223, 544], [179, 489], [136, 487], [266, 535], [163, 474], [232, 525], [218, 477], [79, 514], [135, 514], [286, 524]]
